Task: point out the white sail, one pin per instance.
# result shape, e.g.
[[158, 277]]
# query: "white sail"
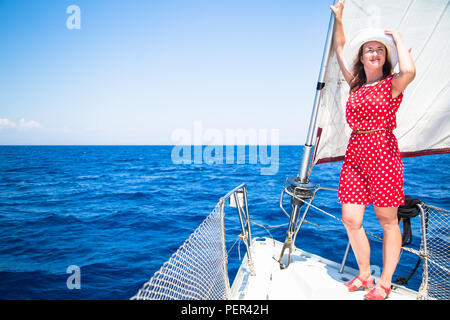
[[423, 120]]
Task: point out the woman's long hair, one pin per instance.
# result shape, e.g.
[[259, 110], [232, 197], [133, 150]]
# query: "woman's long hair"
[[359, 73]]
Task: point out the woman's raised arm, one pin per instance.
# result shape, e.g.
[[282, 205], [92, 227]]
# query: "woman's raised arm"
[[339, 40], [405, 64]]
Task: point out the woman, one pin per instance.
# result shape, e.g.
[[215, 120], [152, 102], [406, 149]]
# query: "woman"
[[372, 171]]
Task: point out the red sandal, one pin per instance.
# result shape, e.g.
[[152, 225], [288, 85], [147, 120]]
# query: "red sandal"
[[358, 283], [376, 294]]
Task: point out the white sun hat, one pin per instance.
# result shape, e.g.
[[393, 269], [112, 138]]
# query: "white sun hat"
[[351, 49]]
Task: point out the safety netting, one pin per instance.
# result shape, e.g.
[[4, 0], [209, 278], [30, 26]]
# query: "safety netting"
[[198, 269], [435, 249]]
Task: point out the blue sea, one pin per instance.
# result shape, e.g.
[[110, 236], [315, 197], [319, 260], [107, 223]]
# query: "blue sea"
[[119, 212]]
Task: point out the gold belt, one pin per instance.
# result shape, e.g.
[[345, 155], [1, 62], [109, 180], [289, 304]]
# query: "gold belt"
[[371, 131]]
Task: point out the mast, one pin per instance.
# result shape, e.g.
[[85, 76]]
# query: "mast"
[[300, 187], [307, 150]]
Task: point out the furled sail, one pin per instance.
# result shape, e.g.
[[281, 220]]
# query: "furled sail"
[[423, 120]]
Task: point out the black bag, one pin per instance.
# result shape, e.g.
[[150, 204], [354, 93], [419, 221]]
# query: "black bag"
[[405, 213]]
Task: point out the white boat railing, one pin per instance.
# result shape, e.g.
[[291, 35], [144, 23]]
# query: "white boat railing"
[[198, 270]]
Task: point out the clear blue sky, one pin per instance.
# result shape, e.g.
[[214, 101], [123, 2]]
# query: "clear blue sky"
[[137, 71]]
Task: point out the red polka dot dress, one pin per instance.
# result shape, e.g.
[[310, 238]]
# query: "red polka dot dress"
[[372, 171]]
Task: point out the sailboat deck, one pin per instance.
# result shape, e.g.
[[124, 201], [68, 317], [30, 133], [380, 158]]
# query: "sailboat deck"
[[308, 277]]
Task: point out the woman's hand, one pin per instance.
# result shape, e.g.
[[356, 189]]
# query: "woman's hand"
[[337, 10], [395, 35]]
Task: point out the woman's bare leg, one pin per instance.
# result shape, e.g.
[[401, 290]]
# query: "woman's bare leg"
[[392, 242], [352, 216]]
